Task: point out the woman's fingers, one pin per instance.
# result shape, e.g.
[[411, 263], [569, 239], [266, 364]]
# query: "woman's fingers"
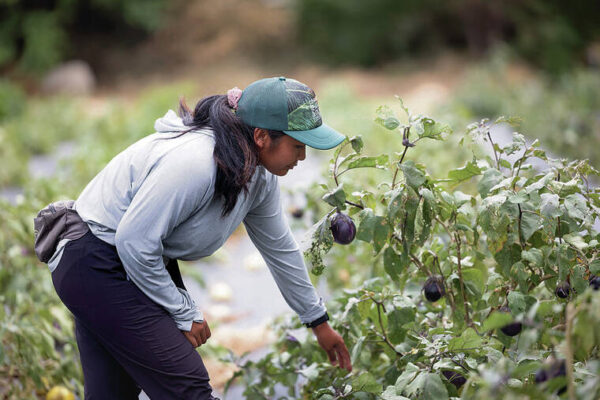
[[343, 356], [207, 330], [199, 333], [332, 357], [191, 338], [202, 331]]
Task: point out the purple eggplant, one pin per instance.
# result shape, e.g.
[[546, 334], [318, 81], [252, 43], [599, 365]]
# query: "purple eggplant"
[[562, 290], [434, 288], [454, 378], [342, 228]]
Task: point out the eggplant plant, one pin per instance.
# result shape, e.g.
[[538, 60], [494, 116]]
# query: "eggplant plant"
[[460, 272]]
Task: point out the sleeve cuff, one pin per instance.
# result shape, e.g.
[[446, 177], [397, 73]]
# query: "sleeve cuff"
[[186, 325], [324, 318], [316, 312]]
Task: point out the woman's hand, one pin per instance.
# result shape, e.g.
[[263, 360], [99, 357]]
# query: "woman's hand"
[[334, 345], [199, 334]]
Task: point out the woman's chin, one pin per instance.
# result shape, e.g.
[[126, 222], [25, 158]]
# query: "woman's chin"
[[282, 172]]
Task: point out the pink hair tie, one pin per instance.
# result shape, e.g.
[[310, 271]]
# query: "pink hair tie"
[[233, 96]]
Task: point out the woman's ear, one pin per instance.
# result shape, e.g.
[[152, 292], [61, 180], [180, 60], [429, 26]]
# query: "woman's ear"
[[261, 138]]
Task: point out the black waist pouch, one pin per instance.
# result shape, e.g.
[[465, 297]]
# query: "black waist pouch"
[[53, 223]]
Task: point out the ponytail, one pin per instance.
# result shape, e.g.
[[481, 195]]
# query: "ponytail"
[[235, 153]]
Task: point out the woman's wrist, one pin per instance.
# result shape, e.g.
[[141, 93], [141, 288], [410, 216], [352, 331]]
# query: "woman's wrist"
[[321, 328], [324, 318]]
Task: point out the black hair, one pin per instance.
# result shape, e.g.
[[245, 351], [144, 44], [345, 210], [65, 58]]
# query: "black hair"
[[235, 152]]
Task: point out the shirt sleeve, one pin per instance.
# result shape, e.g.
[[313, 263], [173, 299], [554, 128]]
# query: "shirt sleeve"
[[175, 187], [269, 231]]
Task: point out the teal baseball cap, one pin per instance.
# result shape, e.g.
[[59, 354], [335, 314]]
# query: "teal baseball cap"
[[286, 105]]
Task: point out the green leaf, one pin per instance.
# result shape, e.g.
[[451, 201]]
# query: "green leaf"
[[390, 393], [595, 266], [505, 163], [392, 263], [468, 171], [434, 130], [521, 274], [516, 302], [357, 143], [518, 198], [369, 162], [565, 188], [396, 203], [364, 308], [382, 114], [578, 281], [336, 197], [414, 177], [427, 386], [583, 336], [367, 225], [496, 320], [469, 339], [507, 256], [534, 256], [526, 367], [576, 207], [541, 183], [366, 382], [380, 234], [549, 205], [426, 219], [412, 204], [474, 281], [491, 177], [357, 349], [391, 123], [396, 319], [529, 224], [575, 240], [322, 241], [310, 372], [407, 376], [433, 387]]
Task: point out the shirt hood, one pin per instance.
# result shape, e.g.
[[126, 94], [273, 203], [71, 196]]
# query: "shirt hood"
[[170, 123]]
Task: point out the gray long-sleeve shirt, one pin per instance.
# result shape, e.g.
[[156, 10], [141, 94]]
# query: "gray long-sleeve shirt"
[[155, 199]]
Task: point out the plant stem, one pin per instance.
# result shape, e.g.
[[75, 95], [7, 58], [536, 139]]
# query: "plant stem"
[[520, 161], [420, 265], [544, 278], [448, 291], [405, 135], [385, 338], [462, 283], [335, 164], [403, 154], [569, 350], [444, 226], [520, 236], [394, 178], [355, 205], [494, 148]]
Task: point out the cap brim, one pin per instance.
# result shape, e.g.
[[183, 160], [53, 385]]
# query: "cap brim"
[[323, 137]]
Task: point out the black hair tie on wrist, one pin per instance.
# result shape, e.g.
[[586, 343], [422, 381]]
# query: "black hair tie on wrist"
[[317, 321]]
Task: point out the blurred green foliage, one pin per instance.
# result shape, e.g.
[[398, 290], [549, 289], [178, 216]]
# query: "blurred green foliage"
[[35, 35], [100, 129], [12, 100], [563, 112], [551, 34], [36, 331]]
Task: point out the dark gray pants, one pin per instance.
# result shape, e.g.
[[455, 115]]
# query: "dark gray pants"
[[126, 341]]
